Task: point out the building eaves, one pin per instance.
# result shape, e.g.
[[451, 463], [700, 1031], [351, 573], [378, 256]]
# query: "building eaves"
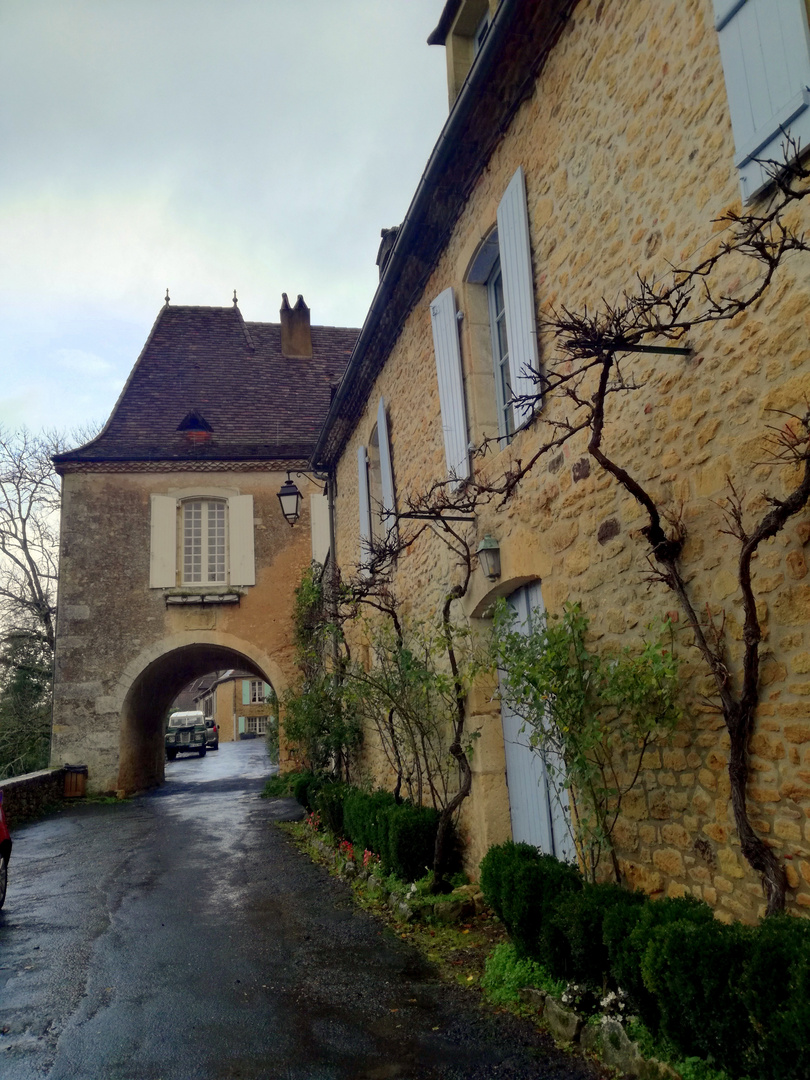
[[504, 74]]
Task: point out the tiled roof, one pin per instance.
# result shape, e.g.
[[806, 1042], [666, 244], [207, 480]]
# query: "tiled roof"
[[208, 363]]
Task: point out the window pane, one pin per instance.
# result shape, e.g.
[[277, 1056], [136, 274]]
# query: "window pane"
[[216, 542], [192, 541]]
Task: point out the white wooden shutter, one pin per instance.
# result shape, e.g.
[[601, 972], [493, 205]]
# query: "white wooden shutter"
[[386, 473], [518, 292], [765, 49], [163, 542], [319, 527], [451, 384], [365, 506], [240, 529]]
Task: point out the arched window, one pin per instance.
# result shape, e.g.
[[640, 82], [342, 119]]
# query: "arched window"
[[201, 539]]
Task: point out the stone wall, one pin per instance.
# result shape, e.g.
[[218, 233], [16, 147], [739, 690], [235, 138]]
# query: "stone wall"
[[122, 652], [26, 797], [628, 152]]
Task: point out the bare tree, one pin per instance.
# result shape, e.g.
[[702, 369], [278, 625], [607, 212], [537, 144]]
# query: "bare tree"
[[29, 532]]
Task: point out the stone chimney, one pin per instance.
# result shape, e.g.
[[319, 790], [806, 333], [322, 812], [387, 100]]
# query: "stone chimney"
[[389, 238], [296, 337]]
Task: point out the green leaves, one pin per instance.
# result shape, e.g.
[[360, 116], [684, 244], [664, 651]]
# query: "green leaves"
[[590, 715]]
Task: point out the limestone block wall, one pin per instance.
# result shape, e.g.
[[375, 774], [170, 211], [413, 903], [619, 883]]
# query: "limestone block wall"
[[122, 653], [628, 153]]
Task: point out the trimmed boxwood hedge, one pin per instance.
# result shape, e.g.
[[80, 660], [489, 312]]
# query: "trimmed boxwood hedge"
[[403, 835], [737, 996]]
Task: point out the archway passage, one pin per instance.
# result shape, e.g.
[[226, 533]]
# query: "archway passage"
[[149, 698]]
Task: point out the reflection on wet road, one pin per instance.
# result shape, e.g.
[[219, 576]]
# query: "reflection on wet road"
[[180, 935]]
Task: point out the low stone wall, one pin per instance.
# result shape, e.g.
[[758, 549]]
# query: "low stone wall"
[[26, 797]]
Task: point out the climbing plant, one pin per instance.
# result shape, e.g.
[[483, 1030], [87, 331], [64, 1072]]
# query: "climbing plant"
[[591, 716]]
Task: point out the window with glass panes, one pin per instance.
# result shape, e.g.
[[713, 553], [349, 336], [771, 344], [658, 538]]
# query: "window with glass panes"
[[204, 541], [256, 691], [500, 351]]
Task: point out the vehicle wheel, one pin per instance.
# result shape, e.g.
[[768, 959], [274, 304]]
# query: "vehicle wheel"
[[202, 751], [3, 879], [171, 754]]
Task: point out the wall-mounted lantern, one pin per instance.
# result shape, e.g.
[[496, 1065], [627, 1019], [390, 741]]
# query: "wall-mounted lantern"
[[290, 499], [489, 557]]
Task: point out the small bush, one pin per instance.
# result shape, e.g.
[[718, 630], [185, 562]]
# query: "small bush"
[[329, 803], [363, 818], [693, 969], [522, 887], [774, 988], [626, 932], [305, 788], [575, 945], [410, 842], [280, 785], [506, 974]]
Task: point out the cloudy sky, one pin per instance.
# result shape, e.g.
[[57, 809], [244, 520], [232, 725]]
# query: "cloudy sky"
[[199, 145]]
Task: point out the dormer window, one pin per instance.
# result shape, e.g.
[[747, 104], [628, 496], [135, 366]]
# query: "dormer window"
[[462, 29], [481, 32]]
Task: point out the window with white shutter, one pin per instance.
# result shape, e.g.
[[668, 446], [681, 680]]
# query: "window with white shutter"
[[388, 507], [518, 293], [451, 385], [765, 49], [201, 541], [364, 507]]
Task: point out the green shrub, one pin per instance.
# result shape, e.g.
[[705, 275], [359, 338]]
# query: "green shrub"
[[774, 988], [328, 801], [626, 932], [522, 887], [410, 841], [403, 835], [364, 821], [575, 945], [279, 785], [693, 969], [305, 787], [506, 974]]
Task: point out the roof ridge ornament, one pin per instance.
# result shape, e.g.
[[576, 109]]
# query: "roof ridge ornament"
[[235, 301], [167, 296]]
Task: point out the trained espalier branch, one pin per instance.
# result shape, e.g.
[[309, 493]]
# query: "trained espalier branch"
[[585, 380]]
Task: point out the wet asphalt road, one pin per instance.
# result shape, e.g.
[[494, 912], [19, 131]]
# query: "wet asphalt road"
[[181, 936]]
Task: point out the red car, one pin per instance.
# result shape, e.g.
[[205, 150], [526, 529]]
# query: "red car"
[[5, 852]]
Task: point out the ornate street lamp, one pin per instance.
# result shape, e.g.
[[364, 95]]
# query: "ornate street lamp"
[[290, 499], [489, 557]]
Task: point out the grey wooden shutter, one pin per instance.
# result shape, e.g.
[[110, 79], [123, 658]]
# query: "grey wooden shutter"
[[451, 384], [242, 569], [365, 506], [386, 473], [538, 800], [163, 542], [518, 291], [765, 49]]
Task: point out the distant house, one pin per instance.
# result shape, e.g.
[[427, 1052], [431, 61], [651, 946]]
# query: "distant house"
[[176, 560], [240, 703]]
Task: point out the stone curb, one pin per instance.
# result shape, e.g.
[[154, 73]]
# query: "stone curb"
[[608, 1041]]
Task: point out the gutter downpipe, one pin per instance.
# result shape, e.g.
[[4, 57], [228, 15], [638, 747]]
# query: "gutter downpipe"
[[477, 73]]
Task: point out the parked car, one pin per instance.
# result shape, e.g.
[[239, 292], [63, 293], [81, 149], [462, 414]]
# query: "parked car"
[[186, 734], [211, 733], [5, 852]]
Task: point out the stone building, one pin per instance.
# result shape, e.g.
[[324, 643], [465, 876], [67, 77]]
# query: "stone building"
[[175, 557], [589, 142]]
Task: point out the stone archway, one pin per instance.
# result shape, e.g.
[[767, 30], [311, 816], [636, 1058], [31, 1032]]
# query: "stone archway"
[[162, 672]]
